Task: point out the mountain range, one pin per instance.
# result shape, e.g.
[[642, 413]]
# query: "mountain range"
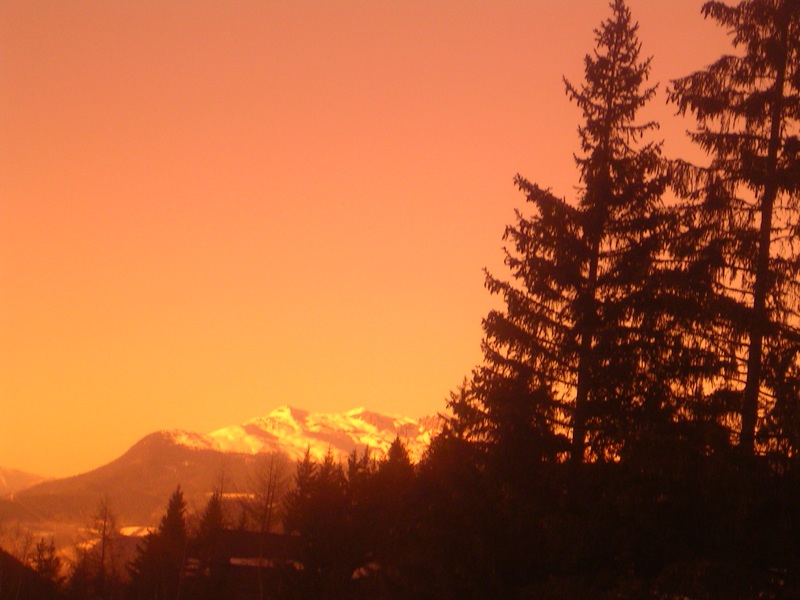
[[293, 431], [138, 483]]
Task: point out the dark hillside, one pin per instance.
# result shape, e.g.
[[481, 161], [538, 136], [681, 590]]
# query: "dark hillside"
[[136, 483]]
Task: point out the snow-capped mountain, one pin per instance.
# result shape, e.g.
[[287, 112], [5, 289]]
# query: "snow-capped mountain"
[[292, 431], [138, 483]]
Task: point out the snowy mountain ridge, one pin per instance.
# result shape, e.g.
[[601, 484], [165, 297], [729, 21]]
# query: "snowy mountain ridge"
[[292, 430]]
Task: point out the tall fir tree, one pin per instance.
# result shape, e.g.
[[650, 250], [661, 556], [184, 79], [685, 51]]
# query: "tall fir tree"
[[742, 218], [156, 570], [574, 347], [297, 502], [212, 522]]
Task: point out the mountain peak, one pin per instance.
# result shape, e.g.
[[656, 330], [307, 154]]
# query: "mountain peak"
[[293, 430], [289, 412]]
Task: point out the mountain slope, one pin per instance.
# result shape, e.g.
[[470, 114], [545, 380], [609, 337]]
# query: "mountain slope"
[[13, 480], [138, 483]]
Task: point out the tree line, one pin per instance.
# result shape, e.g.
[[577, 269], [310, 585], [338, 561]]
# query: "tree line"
[[344, 521]]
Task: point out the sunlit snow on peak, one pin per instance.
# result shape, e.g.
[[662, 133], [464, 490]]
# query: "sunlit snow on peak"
[[293, 431]]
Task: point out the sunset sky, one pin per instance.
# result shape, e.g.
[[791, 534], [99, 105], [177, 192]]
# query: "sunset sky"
[[212, 208]]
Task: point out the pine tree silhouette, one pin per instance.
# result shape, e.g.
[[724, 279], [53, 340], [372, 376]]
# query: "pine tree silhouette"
[[742, 213]]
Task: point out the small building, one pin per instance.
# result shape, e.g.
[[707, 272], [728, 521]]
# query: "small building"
[[245, 565]]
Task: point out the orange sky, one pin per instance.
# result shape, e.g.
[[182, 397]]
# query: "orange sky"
[[209, 209]]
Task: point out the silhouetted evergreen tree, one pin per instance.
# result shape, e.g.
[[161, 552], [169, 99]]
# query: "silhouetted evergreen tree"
[[618, 338], [156, 570], [741, 216], [297, 502], [576, 345], [212, 521], [46, 561], [393, 495], [363, 506]]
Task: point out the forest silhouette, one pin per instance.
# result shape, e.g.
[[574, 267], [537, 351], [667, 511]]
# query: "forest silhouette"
[[633, 430]]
